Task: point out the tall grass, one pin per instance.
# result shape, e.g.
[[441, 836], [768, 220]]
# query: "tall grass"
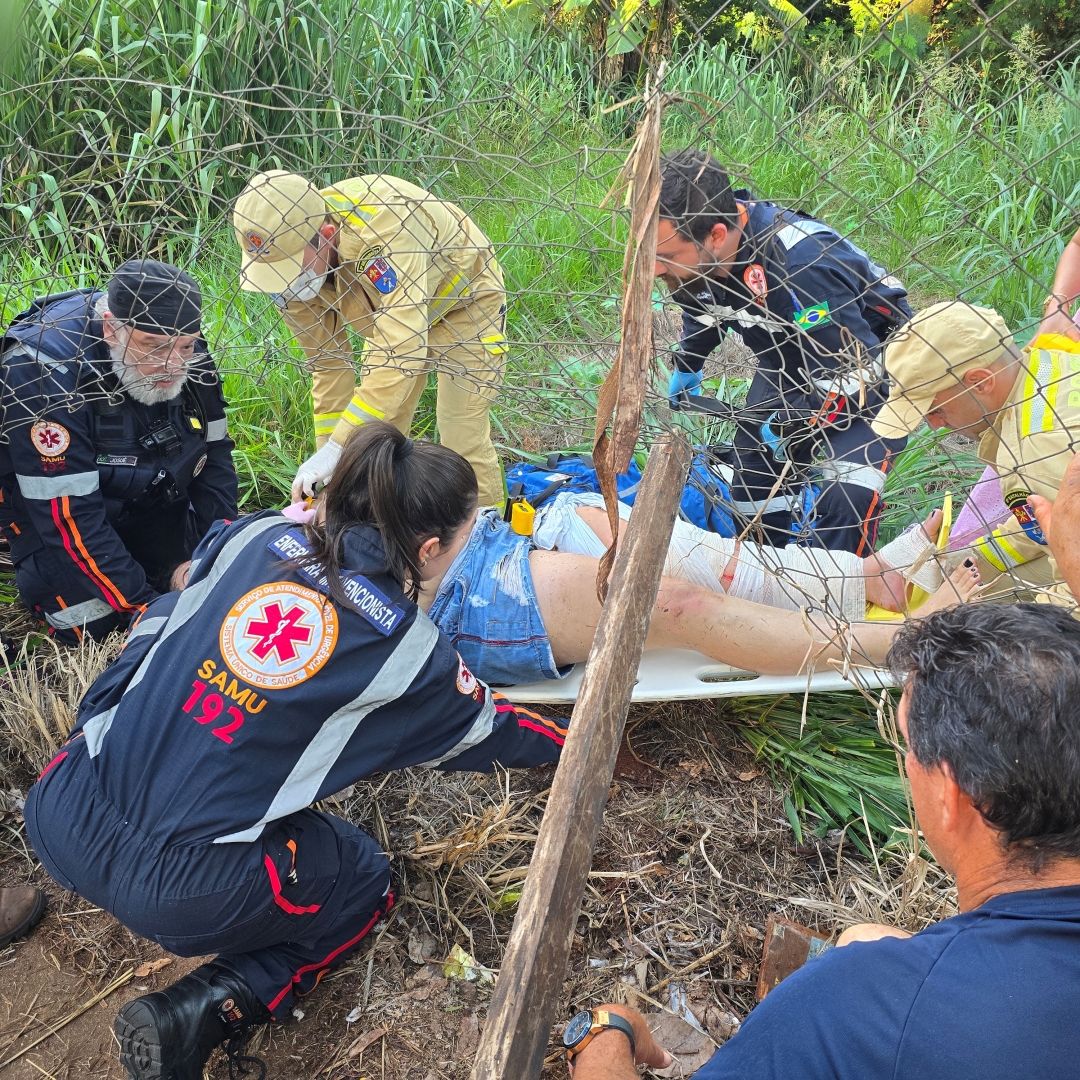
[[128, 126]]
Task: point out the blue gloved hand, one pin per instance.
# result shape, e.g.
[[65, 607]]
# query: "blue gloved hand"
[[688, 382], [773, 439]]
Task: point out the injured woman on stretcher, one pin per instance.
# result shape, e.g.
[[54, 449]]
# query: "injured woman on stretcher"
[[520, 609]]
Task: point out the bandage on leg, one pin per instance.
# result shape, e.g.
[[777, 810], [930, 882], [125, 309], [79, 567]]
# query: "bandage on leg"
[[913, 553], [791, 578]]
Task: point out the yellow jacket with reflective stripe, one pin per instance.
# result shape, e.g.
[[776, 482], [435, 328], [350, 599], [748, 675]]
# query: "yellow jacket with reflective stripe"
[[435, 253], [1031, 443]]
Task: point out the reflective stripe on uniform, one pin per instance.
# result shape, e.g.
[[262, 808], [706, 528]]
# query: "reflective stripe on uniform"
[[998, 551], [1041, 382], [97, 727], [392, 681], [359, 410], [78, 614], [326, 422], [495, 344], [448, 296], [148, 626], [39, 356], [58, 487], [797, 232], [216, 430], [776, 505], [353, 213], [851, 472]]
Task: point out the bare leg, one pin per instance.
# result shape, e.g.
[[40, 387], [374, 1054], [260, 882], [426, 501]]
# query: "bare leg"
[[728, 629], [884, 585]]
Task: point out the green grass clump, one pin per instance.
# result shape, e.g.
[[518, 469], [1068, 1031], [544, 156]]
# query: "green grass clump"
[[843, 773]]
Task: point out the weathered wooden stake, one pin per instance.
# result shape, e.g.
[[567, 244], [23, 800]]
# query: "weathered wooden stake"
[[534, 965]]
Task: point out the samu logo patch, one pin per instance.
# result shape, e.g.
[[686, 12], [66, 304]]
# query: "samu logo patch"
[[50, 439], [755, 280], [278, 635], [1017, 502], [466, 680]]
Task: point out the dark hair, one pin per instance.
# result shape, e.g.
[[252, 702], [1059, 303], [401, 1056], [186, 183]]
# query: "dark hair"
[[695, 193], [994, 690], [409, 491]]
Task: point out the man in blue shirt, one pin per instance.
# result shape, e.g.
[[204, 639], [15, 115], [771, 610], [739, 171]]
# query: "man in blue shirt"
[[991, 715]]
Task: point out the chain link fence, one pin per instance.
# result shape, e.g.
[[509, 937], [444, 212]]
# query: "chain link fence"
[[939, 138]]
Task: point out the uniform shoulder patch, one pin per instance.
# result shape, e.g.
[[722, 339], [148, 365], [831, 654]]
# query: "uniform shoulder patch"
[[466, 680], [278, 635], [810, 318], [50, 439], [755, 280], [381, 274], [370, 602], [1017, 502]]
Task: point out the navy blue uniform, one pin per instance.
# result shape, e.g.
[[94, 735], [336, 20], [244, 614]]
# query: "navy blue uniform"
[[101, 497], [181, 801], [815, 310], [991, 994]]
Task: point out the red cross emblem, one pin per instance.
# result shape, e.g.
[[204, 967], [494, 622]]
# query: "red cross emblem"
[[50, 438], [278, 632], [278, 635]]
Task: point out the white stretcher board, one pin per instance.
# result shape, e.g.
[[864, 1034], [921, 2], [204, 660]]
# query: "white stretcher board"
[[684, 675]]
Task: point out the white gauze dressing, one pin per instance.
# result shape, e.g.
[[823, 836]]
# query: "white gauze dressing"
[[791, 578]]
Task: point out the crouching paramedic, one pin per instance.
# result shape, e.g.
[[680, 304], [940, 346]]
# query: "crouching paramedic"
[[815, 310], [293, 664], [956, 366], [413, 276], [115, 458]]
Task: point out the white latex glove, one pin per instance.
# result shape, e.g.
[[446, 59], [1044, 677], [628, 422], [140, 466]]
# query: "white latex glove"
[[319, 467]]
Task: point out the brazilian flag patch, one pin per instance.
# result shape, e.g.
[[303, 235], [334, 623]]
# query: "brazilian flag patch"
[[812, 317]]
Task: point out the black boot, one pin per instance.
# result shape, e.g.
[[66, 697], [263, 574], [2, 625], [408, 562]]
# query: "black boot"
[[170, 1034]]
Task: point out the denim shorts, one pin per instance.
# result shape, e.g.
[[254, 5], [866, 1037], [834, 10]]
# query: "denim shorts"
[[486, 605]]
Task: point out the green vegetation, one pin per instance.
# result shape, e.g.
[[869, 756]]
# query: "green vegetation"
[[843, 771], [947, 149]]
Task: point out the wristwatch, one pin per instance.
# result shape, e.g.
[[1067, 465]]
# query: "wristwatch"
[[585, 1026]]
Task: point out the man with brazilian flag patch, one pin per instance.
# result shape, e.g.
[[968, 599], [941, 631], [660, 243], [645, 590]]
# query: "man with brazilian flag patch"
[[413, 276], [956, 366], [815, 310]]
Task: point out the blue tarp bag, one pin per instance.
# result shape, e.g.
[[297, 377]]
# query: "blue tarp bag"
[[705, 501], [565, 472]]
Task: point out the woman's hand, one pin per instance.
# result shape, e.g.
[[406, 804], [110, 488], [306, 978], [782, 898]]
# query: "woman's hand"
[[1058, 321], [607, 1057]]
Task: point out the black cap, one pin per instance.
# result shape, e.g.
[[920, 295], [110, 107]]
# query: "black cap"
[[156, 298]]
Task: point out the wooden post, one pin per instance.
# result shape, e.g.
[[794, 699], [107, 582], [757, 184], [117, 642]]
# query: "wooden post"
[[534, 966]]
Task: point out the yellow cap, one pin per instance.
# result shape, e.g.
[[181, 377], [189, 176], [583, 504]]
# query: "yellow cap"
[[930, 353], [275, 218]]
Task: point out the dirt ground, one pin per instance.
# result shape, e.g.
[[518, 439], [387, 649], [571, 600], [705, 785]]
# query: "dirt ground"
[[694, 853]]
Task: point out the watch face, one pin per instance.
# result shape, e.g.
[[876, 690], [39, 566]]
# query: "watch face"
[[577, 1029]]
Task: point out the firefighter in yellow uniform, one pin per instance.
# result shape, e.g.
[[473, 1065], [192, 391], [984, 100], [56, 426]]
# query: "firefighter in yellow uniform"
[[410, 274], [956, 366]]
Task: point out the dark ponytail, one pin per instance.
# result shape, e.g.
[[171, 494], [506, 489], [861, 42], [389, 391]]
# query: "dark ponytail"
[[409, 491]]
